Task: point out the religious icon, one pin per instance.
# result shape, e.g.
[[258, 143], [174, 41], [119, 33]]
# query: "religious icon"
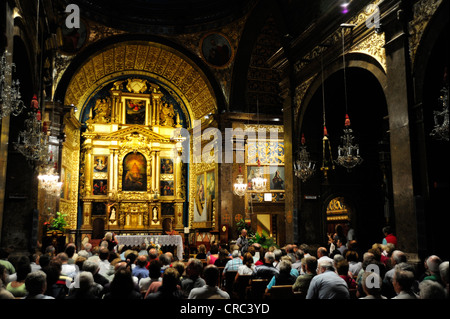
[[100, 187], [135, 111], [134, 176], [100, 164], [166, 166], [166, 188], [251, 173], [276, 177], [216, 50]]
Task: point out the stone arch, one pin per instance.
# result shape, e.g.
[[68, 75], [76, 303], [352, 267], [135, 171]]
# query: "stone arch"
[[354, 60]]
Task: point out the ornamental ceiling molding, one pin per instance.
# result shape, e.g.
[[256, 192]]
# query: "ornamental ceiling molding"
[[149, 59], [371, 44], [423, 11], [192, 42], [300, 92]]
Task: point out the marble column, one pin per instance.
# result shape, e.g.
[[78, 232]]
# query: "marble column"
[[399, 94]]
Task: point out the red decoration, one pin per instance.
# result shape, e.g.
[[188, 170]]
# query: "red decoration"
[[38, 115], [347, 120], [325, 132], [34, 103], [303, 139]]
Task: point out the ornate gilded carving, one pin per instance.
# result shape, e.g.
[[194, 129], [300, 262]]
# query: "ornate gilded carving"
[[300, 92], [371, 44], [423, 12], [102, 111], [163, 63], [167, 114]]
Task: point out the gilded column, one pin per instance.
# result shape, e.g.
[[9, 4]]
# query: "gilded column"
[[87, 209], [116, 169], [88, 170], [157, 169]]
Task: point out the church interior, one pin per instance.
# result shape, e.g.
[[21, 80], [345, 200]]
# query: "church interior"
[[115, 117]]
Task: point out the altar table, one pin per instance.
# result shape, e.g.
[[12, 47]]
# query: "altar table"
[[162, 240]]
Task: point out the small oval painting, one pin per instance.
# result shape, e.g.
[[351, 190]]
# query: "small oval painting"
[[216, 50]]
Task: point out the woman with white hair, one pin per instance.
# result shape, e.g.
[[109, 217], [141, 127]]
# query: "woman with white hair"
[[111, 240], [84, 287]]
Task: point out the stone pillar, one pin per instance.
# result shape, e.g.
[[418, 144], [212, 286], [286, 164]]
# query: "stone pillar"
[[399, 100], [290, 182], [4, 125]]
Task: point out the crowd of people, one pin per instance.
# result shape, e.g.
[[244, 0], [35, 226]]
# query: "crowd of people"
[[339, 270]]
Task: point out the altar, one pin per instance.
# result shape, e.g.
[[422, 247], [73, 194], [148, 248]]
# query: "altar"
[[162, 240]]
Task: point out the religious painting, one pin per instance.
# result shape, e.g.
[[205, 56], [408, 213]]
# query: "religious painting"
[[135, 111], [200, 212], [276, 177], [166, 188], [100, 164], [216, 50], [210, 187], [251, 173], [71, 40], [204, 196], [100, 187], [166, 166], [134, 176]]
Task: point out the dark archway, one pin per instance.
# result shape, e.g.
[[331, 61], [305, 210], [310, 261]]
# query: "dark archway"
[[433, 174], [367, 186]]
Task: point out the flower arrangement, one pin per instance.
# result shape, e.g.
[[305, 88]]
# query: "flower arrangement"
[[57, 223], [263, 239]]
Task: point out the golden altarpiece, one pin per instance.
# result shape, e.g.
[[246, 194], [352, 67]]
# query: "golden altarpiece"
[[131, 178]]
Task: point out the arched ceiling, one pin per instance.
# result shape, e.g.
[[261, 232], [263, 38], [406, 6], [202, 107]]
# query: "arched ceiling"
[[144, 58], [163, 16]]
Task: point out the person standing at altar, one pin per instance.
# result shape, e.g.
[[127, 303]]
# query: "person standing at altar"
[[242, 241], [110, 238]]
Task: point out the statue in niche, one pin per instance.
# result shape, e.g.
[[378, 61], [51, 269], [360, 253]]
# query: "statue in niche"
[[102, 111], [167, 113], [155, 213]]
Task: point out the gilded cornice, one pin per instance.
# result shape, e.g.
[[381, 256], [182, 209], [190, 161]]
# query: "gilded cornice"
[[370, 43]]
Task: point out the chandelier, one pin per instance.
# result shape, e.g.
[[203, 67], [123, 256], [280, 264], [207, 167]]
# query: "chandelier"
[[348, 153], [441, 120], [48, 181], [259, 183], [32, 142], [304, 168], [240, 188], [10, 102]]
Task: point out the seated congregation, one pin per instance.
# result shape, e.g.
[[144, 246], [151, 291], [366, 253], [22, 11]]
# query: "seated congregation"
[[221, 272]]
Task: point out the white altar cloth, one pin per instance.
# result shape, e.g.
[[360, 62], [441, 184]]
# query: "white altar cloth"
[[162, 240]]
